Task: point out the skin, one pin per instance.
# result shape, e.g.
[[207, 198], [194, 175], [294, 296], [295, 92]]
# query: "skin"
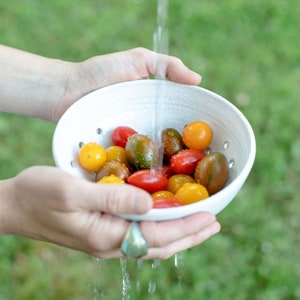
[[45, 203]]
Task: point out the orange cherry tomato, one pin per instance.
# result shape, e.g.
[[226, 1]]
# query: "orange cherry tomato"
[[197, 135], [165, 202], [91, 156], [177, 181], [191, 192]]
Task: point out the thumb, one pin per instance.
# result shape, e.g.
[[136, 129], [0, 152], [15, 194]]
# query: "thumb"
[[116, 199]]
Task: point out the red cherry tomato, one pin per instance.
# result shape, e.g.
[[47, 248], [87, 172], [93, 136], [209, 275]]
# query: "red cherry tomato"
[[165, 202], [167, 171], [185, 161], [149, 180], [120, 135]]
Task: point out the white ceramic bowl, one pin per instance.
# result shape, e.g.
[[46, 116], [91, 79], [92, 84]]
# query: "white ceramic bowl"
[[137, 104]]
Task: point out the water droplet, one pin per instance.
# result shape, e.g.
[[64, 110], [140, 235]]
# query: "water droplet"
[[207, 151], [226, 145], [156, 263], [151, 286], [99, 130], [178, 260], [231, 163], [73, 163]]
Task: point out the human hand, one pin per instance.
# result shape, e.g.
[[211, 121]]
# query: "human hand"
[[45, 203], [41, 87], [100, 71]]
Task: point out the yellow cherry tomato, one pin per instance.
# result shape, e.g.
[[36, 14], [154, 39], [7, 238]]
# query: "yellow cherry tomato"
[[177, 181], [197, 135], [191, 192], [111, 179], [116, 153], [162, 194], [91, 156]]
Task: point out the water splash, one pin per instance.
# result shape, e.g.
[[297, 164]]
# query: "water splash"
[[179, 260], [152, 286], [125, 279]]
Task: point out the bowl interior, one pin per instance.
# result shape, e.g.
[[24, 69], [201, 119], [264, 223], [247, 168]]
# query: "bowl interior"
[[152, 105]]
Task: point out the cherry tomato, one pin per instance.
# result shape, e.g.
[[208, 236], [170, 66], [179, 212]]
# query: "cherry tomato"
[[149, 180], [116, 153], [120, 135], [165, 202], [91, 156], [177, 181], [197, 135], [185, 161], [162, 194], [166, 169], [111, 179], [191, 192]]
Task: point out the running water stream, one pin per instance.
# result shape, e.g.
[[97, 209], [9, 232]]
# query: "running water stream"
[[160, 45]]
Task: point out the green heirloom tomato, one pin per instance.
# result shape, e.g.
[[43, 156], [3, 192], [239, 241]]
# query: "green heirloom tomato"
[[212, 172], [141, 151]]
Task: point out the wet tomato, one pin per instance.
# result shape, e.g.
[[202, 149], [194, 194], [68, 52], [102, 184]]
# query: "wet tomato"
[[166, 169], [120, 135], [177, 181], [172, 143], [191, 192], [197, 135], [91, 156], [149, 180], [113, 167], [116, 153], [162, 194], [141, 152], [165, 202], [212, 172], [111, 179], [186, 161]]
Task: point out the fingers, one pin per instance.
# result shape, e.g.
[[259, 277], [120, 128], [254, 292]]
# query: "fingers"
[[164, 239], [121, 199], [149, 63], [190, 241]]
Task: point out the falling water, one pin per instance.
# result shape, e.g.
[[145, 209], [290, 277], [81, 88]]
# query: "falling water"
[[160, 45]]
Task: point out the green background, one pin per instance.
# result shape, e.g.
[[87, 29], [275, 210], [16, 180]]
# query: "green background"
[[248, 52]]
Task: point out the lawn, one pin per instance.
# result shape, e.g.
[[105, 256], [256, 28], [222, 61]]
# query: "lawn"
[[248, 52]]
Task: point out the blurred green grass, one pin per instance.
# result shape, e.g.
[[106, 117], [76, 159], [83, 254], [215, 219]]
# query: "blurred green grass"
[[247, 51]]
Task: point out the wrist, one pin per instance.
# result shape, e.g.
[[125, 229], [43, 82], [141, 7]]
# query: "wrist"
[[30, 84]]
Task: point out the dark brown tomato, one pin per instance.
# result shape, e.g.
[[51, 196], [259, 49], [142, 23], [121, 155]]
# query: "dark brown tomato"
[[113, 167], [172, 143], [212, 172]]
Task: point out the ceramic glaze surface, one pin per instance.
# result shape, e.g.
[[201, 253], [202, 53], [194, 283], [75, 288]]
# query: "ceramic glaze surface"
[[132, 103]]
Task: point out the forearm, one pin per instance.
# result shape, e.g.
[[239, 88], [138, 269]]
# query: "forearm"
[[30, 84], [6, 196]]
